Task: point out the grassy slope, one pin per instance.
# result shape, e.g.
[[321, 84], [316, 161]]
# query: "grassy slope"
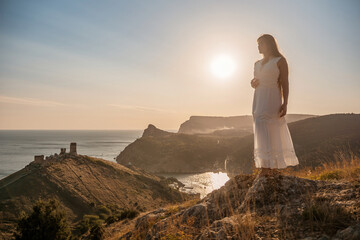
[[81, 184]]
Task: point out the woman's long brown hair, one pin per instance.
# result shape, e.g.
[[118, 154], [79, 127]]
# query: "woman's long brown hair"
[[272, 45]]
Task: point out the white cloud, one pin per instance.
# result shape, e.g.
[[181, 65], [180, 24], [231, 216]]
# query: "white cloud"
[[141, 108], [30, 101]]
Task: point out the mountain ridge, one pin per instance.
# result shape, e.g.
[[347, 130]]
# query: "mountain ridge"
[[209, 124], [314, 139]]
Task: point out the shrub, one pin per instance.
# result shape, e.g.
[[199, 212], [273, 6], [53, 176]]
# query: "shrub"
[[103, 209], [127, 213], [88, 222], [332, 175], [111, 219], [97, 232], [46, 221]]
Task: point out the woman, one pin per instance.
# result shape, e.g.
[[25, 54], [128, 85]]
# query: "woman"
[[273, 147]]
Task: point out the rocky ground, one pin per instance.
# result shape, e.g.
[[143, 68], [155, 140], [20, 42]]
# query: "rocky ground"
[[253, 207]]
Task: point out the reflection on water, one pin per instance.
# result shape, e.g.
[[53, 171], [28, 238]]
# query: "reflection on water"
[[202, 183]]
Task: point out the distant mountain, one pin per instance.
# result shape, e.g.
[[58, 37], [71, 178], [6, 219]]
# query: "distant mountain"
[[316, 140], [81, 184], [209, 124]]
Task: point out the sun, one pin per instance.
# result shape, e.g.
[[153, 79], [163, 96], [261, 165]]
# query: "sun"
[[223, 66]]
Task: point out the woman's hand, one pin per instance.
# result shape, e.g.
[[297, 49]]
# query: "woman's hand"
[[283, 109], [254, 82]]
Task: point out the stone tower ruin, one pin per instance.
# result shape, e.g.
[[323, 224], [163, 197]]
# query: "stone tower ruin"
[[73, 148], [62, 150], [39, 158]]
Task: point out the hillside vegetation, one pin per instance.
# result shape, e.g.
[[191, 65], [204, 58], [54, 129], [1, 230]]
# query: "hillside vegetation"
[[84, 186]]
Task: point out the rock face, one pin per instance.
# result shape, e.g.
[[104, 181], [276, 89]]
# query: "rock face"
[[82, 183], [276, 190], [205, 124], [152, 131], [350, 233], [250, 207], [177, 153]]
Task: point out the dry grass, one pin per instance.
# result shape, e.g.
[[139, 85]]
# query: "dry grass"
[[121, 228], [346, 167], [320, 214], [179, 231], [172, 229], [326, 216], [246, 226], [174, 208]]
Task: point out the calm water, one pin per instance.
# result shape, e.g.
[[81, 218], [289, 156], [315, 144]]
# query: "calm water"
[[18, 147], [202, 183]]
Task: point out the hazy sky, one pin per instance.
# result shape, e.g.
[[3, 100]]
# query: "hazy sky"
[[124, 64]]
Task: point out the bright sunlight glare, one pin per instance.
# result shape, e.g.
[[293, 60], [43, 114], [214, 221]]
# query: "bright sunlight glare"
[[223, 66]]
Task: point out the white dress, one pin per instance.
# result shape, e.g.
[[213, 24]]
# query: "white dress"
[[273, 146]]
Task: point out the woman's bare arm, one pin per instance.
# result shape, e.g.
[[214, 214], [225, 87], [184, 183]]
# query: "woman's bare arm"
[[254, 81], [284, 81]]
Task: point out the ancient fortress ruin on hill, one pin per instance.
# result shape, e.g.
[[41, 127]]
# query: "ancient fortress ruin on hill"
[[40, 158]]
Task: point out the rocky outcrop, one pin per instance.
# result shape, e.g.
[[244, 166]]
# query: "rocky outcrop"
[[152, 131], [276, 190], [250, 207], [350, 233]]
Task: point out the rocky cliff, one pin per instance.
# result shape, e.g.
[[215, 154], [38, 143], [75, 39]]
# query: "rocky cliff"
[[178, 153], [152, 131]]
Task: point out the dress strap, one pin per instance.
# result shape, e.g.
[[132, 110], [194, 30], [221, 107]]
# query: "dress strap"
[[277, 59]]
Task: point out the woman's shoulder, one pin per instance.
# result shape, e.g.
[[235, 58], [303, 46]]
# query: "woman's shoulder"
[[282, 63], [257, 61], [281, 60]]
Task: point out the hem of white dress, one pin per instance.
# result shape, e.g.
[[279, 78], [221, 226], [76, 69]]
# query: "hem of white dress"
[[290, 165]]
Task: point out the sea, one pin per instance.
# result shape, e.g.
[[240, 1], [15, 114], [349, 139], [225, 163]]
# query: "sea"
[[18, 148]]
